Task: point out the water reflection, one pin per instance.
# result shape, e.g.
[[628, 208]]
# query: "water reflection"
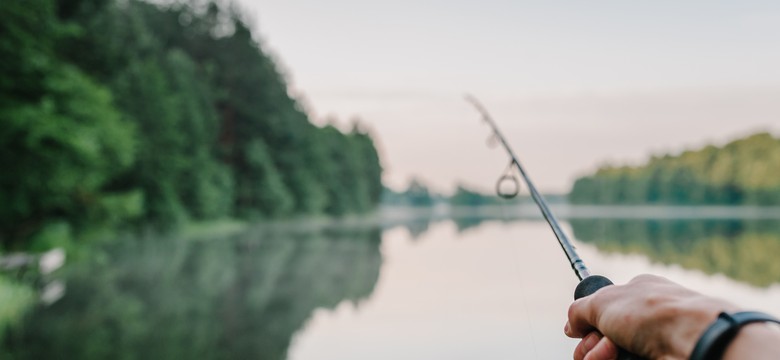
[[468, 286], [236, 298], [743, 250]]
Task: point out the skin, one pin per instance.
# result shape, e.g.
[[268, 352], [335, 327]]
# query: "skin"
[[658, 319]]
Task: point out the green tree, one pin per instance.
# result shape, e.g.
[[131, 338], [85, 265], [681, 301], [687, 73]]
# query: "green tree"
[[63, 140], [126, 110], [739, 173]]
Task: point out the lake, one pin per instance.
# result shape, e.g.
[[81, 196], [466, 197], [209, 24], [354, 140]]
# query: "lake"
[[469, 284]]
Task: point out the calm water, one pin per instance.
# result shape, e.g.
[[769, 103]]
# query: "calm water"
[[414, 289]]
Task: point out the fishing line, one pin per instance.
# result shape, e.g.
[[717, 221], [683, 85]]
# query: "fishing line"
[[510, 178], [527, 309]]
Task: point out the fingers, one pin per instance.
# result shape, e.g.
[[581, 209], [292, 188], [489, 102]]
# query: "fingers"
[[605, 349], [582, 318], [586, 345], [584, 314], [619, 312]]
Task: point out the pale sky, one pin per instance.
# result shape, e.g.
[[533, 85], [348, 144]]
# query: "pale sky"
[[573, 84]]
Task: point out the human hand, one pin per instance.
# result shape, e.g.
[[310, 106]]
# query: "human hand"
[[650, 316]]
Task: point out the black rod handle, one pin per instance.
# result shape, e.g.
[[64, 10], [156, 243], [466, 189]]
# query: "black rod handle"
[[590, 285]]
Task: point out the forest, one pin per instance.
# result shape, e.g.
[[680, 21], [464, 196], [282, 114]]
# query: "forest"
[[125, 114], [742, 172]]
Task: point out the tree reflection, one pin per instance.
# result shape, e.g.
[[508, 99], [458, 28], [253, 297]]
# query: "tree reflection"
[[232, 298], [743, 250]]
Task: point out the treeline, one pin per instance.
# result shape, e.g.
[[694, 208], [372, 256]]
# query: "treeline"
[[418, 194], [124, 111], [743, 172]]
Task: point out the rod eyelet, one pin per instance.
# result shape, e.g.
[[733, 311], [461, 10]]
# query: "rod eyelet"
[[515, 189]]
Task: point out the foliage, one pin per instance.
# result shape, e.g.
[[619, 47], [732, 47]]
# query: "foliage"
[[468, 197], [17, 299], [62, 137], [416, 194], [743, 172], [125, 111]]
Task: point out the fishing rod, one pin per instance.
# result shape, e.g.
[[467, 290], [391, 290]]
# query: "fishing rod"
[[589, 283]]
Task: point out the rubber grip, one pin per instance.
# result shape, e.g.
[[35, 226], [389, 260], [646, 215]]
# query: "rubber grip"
[[590, 285]]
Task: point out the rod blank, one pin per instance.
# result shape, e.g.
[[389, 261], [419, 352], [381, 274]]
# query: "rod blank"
[[576, 262]]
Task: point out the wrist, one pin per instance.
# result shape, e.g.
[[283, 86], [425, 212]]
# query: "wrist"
[[739, 335], [703, 312]]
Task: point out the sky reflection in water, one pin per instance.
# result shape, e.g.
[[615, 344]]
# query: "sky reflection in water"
[[500, 291]]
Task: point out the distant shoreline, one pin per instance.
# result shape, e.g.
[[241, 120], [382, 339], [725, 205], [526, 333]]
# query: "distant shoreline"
[[567, 211]]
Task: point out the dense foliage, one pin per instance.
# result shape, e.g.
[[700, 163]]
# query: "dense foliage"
[[119, 111], [743, 172]]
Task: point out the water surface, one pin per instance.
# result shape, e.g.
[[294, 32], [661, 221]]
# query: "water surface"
[[471, 288]]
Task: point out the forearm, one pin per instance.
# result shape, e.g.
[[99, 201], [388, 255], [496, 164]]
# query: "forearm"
[[755, 341]]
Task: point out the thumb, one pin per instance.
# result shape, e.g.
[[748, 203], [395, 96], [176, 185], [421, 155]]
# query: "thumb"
[[604, 350]]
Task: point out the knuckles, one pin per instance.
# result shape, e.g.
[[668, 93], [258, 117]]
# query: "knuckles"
[[645, 278]]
